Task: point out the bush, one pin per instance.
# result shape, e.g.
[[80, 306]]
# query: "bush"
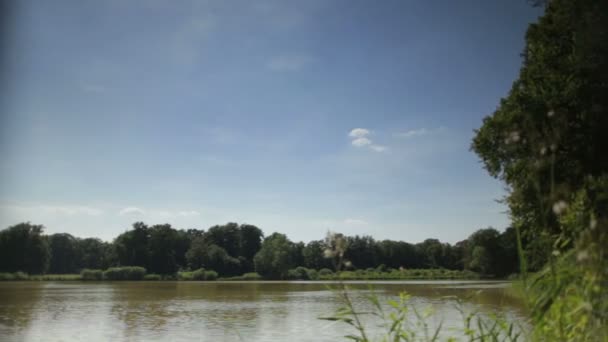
[[324, 272], [7, 276], [210, 275], [184, 275], [20, 276], [312, 274], [198, 274], [88, 274], [152, 277], [252, 276], [246, 276], [125, 273], [298, 273]]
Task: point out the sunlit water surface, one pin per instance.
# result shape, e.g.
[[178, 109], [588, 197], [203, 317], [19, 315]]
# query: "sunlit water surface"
[[223, 311]]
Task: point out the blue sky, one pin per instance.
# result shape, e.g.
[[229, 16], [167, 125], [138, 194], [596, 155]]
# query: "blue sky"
[[296, 116]]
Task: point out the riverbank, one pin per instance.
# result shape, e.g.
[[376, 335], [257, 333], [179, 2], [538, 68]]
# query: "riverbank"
[[139, 274]]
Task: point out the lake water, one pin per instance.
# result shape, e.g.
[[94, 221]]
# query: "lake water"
[[222, 311]]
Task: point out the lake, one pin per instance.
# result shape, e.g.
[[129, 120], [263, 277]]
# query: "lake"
[[222, 311]]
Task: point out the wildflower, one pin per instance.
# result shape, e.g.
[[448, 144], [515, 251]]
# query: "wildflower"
[[328, 253], [582, 255], [512, 138], [559, 207], [593, 223], [550, 113]]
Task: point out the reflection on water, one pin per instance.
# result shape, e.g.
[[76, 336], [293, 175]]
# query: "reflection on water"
[[215, 311]]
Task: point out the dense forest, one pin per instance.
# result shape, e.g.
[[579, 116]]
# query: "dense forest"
[[233, 249]]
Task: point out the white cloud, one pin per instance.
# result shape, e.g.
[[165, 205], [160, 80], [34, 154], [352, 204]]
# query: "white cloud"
[[188, 213], [360, 142], [288, 63], [378, 148], [131, 211], [165, 214], [361, 139], [70, 210], [359, 133], [355, 222], [418, 132], [62, 210]]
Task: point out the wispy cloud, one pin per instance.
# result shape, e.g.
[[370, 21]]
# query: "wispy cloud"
[[288, 63], [57, 210], [131, 211], [418, 132], [165, 214], [355, 222], [360, 142], [360, 138], [378, 148], [188, 213], [359, 133]]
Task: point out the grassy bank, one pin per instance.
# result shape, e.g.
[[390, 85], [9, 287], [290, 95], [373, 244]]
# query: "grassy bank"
[[300, 273]]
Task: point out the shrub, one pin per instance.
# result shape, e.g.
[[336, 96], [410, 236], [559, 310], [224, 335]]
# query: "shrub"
[[210, 275], [198, 274], [312, 274], [185, 275], [20, 276], [251, 276], [125, 273], [325, 272], [88, 274], [298, 273], [7, 276], [152, 277]]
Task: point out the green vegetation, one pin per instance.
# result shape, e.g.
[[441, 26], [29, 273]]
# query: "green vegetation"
[[232, 250], [547, 142], [153, 277], [124, 273], [88, 274]]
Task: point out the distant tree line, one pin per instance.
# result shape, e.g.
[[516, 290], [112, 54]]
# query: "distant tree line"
[[233, 249]]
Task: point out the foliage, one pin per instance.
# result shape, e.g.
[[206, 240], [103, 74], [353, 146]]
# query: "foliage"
[[548, 135], [65, 254], [88, 274], [153, 277], [13, 276], [249, 276], [125, 273], [403, 322], [24, 248], [275, 257]]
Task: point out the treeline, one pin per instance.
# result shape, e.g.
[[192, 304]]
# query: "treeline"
[[232, 250]]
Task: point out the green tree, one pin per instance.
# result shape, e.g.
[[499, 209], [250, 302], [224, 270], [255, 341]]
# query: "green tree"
[[312, 255], [131, 247], [250, 242], [275, 257], [24, 248], [93, 254], [65, 254], [163, 243], [548, 135]]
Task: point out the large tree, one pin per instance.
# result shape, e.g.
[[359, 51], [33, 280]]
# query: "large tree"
[[548, 136], [24, 248], [65, 254], [275, 257]]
